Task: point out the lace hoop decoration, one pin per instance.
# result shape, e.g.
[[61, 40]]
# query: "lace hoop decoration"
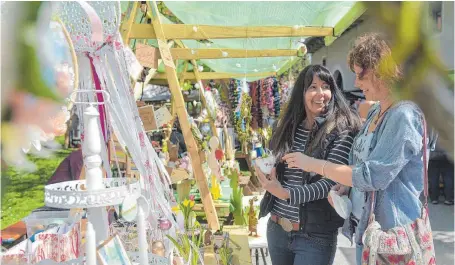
[[79, 24]]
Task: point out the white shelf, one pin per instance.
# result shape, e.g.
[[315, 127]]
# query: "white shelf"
[[72, 194]]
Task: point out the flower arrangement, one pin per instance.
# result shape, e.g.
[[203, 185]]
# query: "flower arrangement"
[[189, 245], [187, 209]]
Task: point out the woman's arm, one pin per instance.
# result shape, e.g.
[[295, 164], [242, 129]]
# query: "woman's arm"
[[338, 154], [400, 140]]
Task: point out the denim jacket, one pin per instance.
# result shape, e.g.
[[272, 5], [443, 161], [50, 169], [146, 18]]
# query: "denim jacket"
[[393, 169]]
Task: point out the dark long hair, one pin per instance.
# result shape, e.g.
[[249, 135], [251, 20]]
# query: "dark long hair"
[[339, 116]]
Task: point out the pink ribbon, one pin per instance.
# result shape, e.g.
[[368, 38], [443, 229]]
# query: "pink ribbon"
[[99, 97], [95, 21]]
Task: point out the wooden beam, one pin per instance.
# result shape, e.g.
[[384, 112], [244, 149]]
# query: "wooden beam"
[[186, 32], [192, 54], [185, 125], [216, 75], [352, 15], [126, 30]]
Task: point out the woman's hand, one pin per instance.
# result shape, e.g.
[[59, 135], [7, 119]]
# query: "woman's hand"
[[297, 160], [340, 189], [272, 184]]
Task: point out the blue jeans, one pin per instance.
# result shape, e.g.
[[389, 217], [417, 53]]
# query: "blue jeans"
[[287, 248]]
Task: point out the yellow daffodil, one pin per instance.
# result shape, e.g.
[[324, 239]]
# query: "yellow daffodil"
[[186, 202], [175, 209], [191, 204]]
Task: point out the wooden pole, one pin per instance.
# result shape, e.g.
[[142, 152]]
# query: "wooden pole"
[[182, 114]]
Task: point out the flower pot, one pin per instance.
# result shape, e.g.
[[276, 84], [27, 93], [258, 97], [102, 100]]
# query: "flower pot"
[[265, 164]]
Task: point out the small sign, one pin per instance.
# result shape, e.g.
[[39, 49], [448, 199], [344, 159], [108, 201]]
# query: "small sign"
[[166, 54], [148, 118], [162, 116], [147, 55]]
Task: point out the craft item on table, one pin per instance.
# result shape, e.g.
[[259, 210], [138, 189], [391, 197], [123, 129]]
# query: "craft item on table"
[[266, 162], [130, 206], [112, 252], [252, 217], [158, 248], [164, 223], [212, 160]]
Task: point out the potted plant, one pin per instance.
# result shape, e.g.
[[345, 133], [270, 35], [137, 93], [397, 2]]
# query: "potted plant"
[[193, 243]]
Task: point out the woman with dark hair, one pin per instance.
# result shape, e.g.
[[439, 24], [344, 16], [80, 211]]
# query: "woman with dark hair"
[[317, 121]]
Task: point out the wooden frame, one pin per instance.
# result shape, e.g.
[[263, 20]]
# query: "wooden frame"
[[192, 54], [216, 75], [182, 114], [186, 32]]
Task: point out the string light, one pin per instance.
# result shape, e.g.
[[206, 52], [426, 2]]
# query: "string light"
[[274, 67], [200, 68], [197, 86], [256, 70], [238, 65], [224, 54], [194, 28]]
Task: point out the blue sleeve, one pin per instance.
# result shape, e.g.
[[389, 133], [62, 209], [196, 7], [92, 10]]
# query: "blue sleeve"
[[400, 140]]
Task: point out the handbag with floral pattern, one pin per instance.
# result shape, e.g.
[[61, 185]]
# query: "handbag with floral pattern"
[[411, 244]]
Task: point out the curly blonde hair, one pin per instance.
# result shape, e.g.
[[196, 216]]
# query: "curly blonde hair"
[[372, 52]]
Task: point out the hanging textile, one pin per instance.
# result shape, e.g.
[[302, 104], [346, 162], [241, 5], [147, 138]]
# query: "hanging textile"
[[106, 61], [254, 105]]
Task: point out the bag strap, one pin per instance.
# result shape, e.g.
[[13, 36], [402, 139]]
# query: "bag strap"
[[425, 161], [425, 173]]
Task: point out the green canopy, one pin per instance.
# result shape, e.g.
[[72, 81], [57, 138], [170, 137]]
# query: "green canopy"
[[246, 13]]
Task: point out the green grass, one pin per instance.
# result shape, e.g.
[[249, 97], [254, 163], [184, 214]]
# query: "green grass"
[[24, 192]]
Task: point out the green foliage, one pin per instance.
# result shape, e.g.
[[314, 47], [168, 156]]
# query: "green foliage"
[[24, 192], [183, 244]]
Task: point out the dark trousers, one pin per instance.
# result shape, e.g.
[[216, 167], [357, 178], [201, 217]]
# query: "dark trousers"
[[296, 248], [437, 168]]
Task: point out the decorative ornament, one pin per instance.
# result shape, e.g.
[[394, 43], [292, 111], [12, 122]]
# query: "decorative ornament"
[[164, 223], [158, 248], [219, 154]]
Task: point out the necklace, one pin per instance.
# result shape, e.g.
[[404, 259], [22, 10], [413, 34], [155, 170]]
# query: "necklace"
[[382, 114]]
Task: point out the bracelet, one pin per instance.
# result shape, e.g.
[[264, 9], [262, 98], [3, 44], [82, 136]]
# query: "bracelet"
[[323, 167]]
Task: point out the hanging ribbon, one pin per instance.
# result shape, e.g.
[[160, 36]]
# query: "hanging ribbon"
[[95, 21], [99, 97]]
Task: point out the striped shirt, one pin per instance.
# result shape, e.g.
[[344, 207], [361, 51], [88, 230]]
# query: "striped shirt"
[[293, 177]]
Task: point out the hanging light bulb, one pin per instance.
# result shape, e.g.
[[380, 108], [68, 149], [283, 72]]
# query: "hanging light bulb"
[[197, 86], [195, 28], [224, 54], [274, 67], [238, 65], [255, 70], [193, 51], [200, 68]]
